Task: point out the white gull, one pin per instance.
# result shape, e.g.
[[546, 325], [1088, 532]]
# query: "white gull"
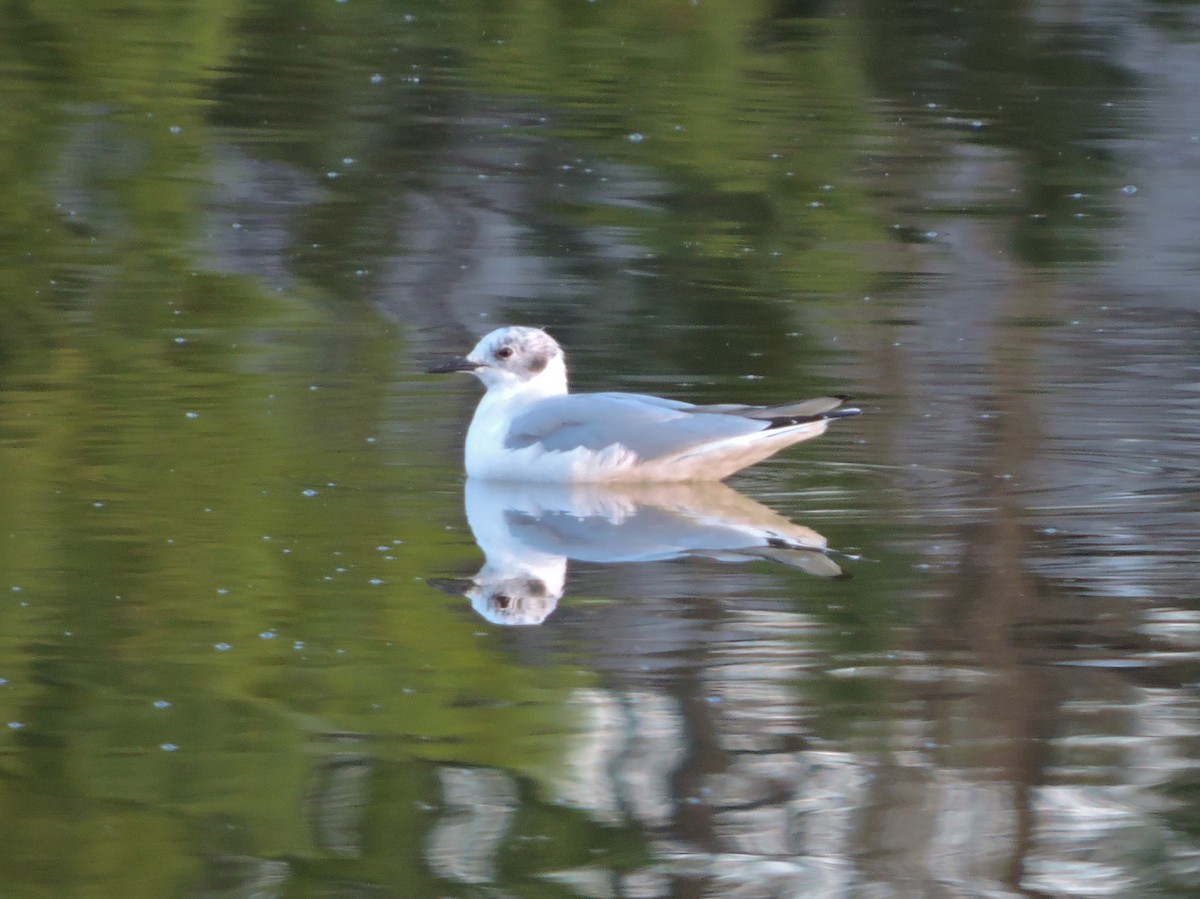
[[529, 427]]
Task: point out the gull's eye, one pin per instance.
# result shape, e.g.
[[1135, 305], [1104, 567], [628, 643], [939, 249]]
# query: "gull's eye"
[[502, 600], [504, 352]]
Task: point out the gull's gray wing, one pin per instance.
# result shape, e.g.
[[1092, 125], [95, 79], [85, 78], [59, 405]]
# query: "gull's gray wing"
[[785, 413], [650, 426]]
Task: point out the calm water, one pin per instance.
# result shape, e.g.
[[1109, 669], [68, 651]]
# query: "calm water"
[[250, 640]]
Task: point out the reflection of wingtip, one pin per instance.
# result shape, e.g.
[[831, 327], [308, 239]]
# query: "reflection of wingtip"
[[810, 560]]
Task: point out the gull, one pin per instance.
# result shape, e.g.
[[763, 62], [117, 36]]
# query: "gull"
[[529, 531], [529, 427]]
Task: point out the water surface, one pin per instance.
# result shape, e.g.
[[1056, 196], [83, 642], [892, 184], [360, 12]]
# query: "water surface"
[[237, 233]]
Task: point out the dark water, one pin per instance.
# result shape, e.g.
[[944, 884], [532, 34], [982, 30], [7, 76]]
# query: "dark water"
[[234, 235]]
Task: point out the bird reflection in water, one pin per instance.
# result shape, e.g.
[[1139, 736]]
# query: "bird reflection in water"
[[529, 531]]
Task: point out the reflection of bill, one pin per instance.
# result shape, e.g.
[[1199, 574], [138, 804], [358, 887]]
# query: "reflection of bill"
[[528, 532]]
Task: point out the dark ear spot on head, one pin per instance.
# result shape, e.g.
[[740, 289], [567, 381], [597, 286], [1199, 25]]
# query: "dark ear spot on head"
[[537, 363]]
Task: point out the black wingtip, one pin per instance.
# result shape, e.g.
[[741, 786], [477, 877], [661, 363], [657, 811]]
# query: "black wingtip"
[[848, 412], [788, 421]]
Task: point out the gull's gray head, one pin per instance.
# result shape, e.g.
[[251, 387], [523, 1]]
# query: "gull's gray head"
[[515, 358]]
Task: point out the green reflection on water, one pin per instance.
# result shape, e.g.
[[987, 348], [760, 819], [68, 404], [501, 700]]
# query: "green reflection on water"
[[197, 610]]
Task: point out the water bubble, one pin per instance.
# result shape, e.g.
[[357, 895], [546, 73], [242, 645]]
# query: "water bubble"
[[636, 137], [161, 704], [222, 647], [376, 78], [308, 492], [168, 747], [191, 414], [1129, 190]]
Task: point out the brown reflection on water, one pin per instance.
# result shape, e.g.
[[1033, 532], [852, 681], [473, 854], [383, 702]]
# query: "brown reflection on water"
[[1023, 732]]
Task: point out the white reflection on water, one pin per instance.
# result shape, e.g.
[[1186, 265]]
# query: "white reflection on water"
[[528, 532], [479, 807]]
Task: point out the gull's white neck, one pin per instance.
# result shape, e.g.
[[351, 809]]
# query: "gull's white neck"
[[504, 400]]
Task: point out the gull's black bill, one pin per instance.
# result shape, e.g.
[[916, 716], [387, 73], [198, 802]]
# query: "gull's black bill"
[[452, 586], [458, 363]]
